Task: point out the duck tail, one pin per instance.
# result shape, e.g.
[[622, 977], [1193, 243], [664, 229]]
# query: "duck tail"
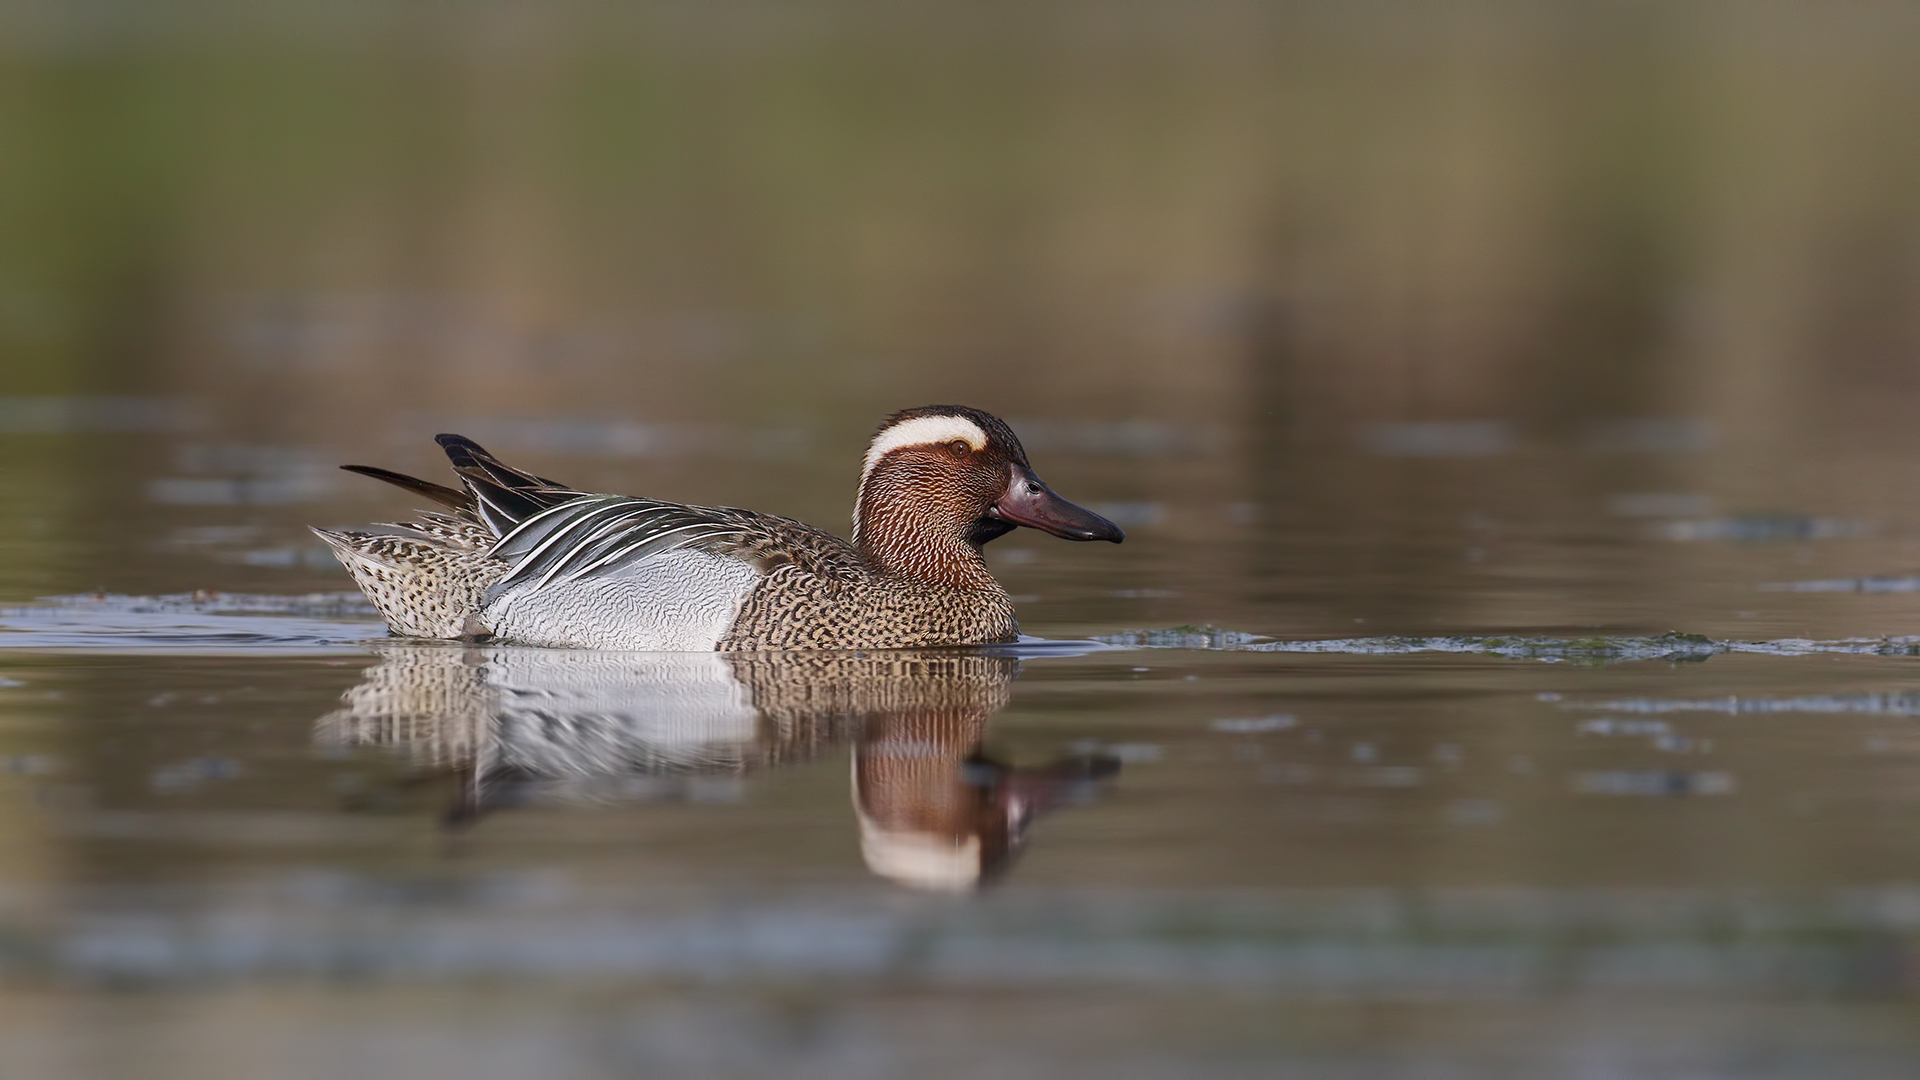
[[501, 495], [452, 498], [423, 585]]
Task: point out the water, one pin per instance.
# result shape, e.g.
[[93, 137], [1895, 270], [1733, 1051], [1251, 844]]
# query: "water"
[[249, 811], [1511, 670]]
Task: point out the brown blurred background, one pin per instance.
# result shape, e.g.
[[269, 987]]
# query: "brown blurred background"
[[1364, 308]]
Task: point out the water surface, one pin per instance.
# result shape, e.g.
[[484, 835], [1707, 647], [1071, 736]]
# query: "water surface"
[[1510, 670]]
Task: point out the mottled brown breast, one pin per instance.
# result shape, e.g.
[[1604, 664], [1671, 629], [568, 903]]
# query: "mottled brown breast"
[[818, 593], [794, 609]]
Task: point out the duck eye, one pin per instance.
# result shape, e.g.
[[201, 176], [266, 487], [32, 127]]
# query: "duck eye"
[[958, 448]]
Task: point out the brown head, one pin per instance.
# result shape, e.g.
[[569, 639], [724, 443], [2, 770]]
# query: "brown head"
[[942, 480]]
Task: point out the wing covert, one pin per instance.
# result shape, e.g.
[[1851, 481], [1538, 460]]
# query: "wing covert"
[[602, 534]]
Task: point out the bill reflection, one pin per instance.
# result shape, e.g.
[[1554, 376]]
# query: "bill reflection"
[[542, 726]]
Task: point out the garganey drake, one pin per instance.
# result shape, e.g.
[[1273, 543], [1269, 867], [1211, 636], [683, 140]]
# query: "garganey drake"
[[525, 560]]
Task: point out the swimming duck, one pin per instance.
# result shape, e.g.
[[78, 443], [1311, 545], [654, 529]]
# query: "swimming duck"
[[525, 560]]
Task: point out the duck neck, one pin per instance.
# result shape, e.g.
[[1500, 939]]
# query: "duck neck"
[[913, 540]]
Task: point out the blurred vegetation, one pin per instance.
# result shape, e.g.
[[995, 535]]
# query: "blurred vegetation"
[[747, 207], [341, 224]]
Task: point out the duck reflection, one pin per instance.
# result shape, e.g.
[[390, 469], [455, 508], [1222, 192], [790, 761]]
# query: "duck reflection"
[[526, 725]]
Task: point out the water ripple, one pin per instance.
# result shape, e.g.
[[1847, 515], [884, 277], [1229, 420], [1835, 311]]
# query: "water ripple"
[[193, 622], [1610, 648], [344, 621]]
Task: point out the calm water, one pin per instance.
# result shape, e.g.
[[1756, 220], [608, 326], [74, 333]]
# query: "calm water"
[[1512, 669]]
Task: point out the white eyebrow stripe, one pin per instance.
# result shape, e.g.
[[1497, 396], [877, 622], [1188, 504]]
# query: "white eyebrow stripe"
[[923, 431]]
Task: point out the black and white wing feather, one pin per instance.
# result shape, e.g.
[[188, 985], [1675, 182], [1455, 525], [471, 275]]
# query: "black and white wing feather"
[[603, 535], [502, 497]]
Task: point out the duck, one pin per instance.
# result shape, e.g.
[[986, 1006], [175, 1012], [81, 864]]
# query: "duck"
[[514, 558]]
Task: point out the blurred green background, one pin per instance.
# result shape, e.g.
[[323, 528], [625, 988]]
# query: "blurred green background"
[[1368, 269]]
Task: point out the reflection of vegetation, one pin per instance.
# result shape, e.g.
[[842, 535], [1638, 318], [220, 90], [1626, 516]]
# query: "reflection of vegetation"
[[1292, 219], [94, 175], [983, 186]]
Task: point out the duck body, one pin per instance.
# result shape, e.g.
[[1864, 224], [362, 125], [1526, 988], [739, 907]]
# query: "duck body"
[[525, 560]]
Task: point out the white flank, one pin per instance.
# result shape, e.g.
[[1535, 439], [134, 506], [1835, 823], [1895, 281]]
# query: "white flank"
[[681, 600], [923, 431]]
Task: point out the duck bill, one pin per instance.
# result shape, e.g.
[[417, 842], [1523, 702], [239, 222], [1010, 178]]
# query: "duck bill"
[[1031, 503]]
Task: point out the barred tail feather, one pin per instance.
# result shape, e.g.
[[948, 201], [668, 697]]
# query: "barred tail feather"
[[423, 586]]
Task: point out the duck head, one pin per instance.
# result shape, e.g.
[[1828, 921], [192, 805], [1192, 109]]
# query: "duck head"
[[942, 480]]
